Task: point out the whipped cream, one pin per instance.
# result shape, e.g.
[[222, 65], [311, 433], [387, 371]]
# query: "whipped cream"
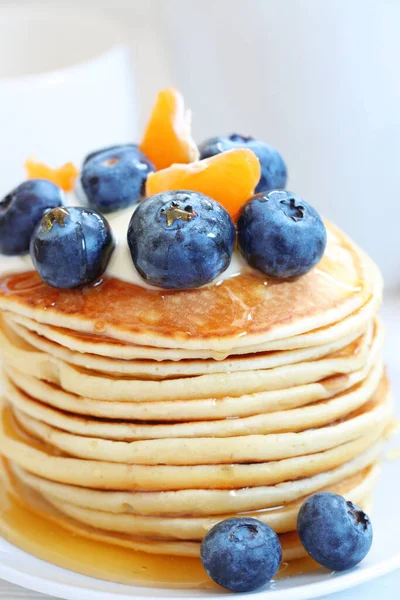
[[121, 265]]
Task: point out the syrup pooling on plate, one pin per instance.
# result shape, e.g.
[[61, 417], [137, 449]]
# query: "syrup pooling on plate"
[[25, 522]]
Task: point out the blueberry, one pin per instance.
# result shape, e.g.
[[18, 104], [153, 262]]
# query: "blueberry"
[[181, 239], [337, 534], [241, 554], [280, 234], [273, 167], [114, 178], [71, 246], [107, 149], [22, 209]]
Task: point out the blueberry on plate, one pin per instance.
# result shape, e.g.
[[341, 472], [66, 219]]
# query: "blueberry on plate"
[[241, 554], [22, 209], [273, 167], [71, 246], [280, 234], [114, 178], [181, 239], [336, 533]]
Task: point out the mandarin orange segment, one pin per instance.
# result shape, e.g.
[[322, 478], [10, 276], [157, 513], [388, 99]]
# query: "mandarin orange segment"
[[63, 176], [167, 138], [229, 178]]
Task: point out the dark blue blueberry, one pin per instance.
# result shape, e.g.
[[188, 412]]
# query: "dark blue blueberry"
[[114, 178], [273, 167], [180, 239], [107, 149], [280, 234], [22, 209], [242, 554], [71, 246], [336, 533]]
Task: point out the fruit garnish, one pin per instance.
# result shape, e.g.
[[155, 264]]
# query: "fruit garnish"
[[229, 178], [167, 138], [114, 178], [180, 239], [273, 168], [241, 554], [22, 209], [280, 234], [63, 176], [335, 532], [71, 246]]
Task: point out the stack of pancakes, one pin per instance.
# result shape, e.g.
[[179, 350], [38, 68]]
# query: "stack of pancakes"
[[143, 417]]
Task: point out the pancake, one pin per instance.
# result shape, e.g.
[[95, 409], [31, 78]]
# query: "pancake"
[[213, 451], [354, 435], [292, 549], [181, 411], [150, 369], [198, 502], [243, 311], [299, 419], [102, 387], [282, 519], [100, 345], [291, 546]]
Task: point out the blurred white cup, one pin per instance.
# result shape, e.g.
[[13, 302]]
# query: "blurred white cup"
[[66, 87]]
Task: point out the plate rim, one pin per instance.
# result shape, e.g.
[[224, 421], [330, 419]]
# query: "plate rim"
[[66, 591]]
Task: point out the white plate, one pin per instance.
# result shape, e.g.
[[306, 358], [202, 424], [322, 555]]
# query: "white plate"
[[19, 567]]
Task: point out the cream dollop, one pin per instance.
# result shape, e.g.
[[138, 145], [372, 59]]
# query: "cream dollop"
[[121, 265]]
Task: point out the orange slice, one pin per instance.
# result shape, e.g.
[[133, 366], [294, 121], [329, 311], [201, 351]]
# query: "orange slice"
[[229, 178], [167, 138], [63, 176]]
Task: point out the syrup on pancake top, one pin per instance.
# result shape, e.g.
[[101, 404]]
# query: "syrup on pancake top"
[[189, 353]]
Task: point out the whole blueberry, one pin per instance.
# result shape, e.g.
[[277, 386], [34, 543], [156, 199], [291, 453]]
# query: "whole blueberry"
[[241, 554], [114, 178], [280, 234], [273, 167], [180, 239], [22, 209], [71, 246], [336, 533]]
